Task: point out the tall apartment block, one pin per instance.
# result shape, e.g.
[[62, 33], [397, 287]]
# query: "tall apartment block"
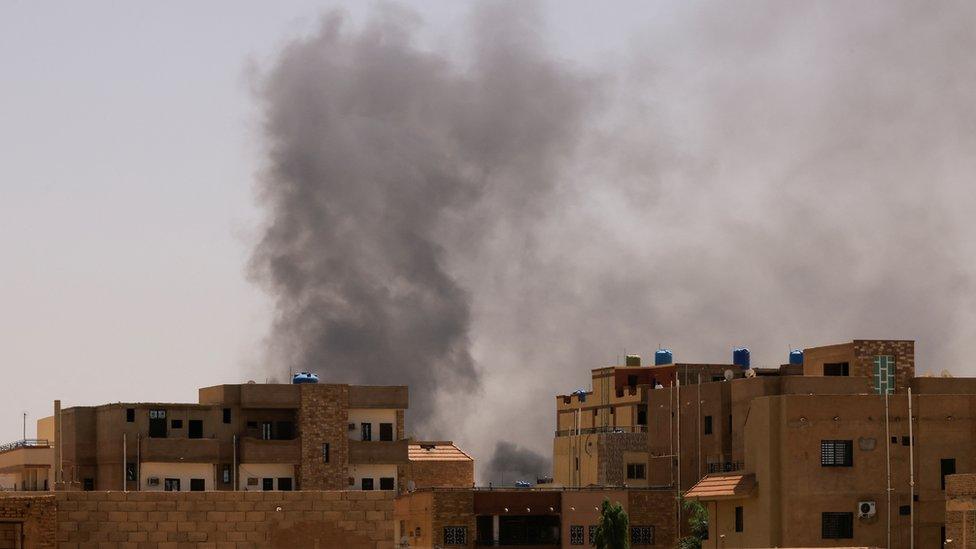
[[302, 436]]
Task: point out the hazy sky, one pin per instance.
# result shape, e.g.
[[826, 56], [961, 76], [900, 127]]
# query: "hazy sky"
[[760, 173], [129, 149]]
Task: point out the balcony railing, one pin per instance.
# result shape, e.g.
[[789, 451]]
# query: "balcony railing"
[[25, 443], [596, 430], [724, 467]]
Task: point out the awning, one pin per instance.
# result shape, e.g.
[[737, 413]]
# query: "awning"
[[727, 486]]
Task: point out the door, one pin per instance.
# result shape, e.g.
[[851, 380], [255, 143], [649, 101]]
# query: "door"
[[195, 429]]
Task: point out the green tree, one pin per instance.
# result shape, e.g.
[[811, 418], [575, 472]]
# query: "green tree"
[[697, 520], [611, 531]]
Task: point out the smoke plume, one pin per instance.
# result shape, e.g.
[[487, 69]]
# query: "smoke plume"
[[488, 226], [511, 462]]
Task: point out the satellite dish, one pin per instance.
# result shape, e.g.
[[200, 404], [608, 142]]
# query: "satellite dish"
[[729, 375], [750, 373]]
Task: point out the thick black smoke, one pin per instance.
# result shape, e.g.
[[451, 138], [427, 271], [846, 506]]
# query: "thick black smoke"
[[487, 230], [511, 462], [380, 154]]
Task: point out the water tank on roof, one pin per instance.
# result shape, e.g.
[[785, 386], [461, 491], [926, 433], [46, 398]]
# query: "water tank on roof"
[[663, 357], [796, 357], [740, 357], [632, 360], [304, 377]]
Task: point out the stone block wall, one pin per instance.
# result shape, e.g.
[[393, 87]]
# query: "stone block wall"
[[34, 516], [453, 508], [437, 474], [653, 508], [611, 469], [960, 520], [904, 352], [224, 520], [323, 416]]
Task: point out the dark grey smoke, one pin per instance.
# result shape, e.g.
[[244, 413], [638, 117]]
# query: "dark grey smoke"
[[511, 462], [487, 230], [380, 154]]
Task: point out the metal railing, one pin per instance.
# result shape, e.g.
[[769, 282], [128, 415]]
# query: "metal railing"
[[724, 467], [25, 443], [595, 430]]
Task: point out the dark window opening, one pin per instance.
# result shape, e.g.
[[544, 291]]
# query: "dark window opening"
[[226, 415], [454, 535], [198, 485], [252, 425], [576, 534], [285, 430], [738, 519], [730, 423], [157, 427], [642, 535], [632, 381], [195, 428], [367, 431], [88, 484], [171, 484], [225, 473], [484, 532], [708, 425], [325, 452], [130, 471], [837, 369], [948, 466], [906, 441], [894, 440], [636, 471], [367, 484], [130, 414], [528, 530], [836, 453], [577, 464], [905, 510], [642, 415], [176, 424], [837, 525], [386, 431], [267, 484], [284, 484], [386, 483]]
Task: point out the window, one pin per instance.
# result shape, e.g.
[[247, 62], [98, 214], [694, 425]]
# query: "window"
[[642, 535], [251, 481], [837, 369], [252, 425], [284, 484], [325, 452], [642, 415], [577, 464], [455, 535], [286, 430], [176, 424], [948, 466], [575, 535], [195, 429], [267, 484], [266, 430], [130, 471], [387, 483], [905, 510], [225, 474], [884, 374], [386, 431], [157, 423], [907, 441], [367, 431], [226, 415], [632, 381], [591, 535], [636, 471], [171, 485], [88, 484], [198, 484], [366, 484], [708, 425], [130, 415], [739, 526], [836, 453], [837, 525]]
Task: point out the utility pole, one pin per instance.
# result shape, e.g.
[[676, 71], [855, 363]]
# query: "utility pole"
[[25, 428]]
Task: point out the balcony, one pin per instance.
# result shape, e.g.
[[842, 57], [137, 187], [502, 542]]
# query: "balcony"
[[387, 397], [256, 450], [189, 450], [378, 452], [598, 430]]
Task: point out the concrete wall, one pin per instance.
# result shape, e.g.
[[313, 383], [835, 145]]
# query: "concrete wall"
[[289, 520]]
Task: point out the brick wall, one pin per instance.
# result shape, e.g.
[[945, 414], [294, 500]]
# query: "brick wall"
[[454, 508], [434, 474], [323, 415], [903, 351], [34, 515], [653, 508], [960, 518], [204, 520], [611, 469]]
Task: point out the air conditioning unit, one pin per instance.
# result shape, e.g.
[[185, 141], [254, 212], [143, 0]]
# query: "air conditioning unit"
[[153, 481], [866, 509]]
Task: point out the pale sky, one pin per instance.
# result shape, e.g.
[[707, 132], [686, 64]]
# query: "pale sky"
[[126, 206]]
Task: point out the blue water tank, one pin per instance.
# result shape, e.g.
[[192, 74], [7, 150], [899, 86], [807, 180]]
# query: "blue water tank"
[[304, 377], [796, 357], [740, 357], [663, 357]]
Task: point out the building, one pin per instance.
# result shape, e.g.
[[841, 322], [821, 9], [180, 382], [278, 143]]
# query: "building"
[[961, 511], [536, 517], [247, 437]]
